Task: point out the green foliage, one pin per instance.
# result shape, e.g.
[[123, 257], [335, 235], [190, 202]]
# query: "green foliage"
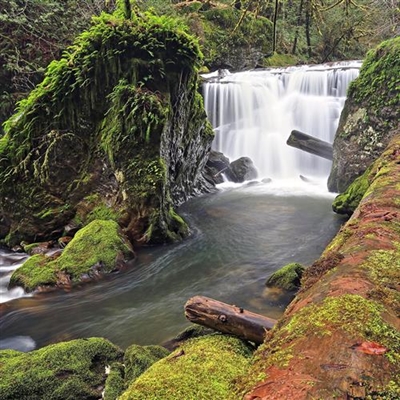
[[33, 33], [65, 371], [202, 368]]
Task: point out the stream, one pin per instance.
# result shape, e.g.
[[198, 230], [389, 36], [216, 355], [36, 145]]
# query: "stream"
[[240, 236]]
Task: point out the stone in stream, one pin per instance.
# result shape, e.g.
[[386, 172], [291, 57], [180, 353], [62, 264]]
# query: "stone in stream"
[[244, 169]]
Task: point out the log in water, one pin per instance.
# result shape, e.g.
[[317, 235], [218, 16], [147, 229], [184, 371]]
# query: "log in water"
[[227, 318]]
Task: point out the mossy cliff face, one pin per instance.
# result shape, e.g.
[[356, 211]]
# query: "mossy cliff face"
[[340, 337], [370, 117], [68, 370], [118, 118]]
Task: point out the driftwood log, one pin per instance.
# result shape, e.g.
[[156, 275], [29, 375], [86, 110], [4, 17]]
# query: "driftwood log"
[[310, 144], [228, 318]]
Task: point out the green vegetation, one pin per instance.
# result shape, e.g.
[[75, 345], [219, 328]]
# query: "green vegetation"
[[347, 202], [93, 140], [35, 272], [203, 368], [138, 359], [65, 371], [96, 249], [287, 277], [379, 81]]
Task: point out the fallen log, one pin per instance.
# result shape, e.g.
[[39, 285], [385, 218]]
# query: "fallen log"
[[340, 336], [310, 144], [228, 318]]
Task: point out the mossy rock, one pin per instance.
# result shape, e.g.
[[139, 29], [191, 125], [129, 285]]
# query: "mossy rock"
[[287, 277], [138, 359], [115, 382], [370, 118], [203, 368], [117, 130], [64, 371], [347, 202], [96, 249]]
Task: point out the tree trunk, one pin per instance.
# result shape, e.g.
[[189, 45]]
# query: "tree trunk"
[[310, 144], [308, 27], [274, 25], [228, 319], [294, 48], [340, 336]]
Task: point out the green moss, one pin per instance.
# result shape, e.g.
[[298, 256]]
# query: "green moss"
[[35, 272], [203, 368], [287, 277], [115, 383], [347, 202], [138, 359], [379, 80], [383, 268], [359, 317], [65, 371], [97, 244], [97, 248]]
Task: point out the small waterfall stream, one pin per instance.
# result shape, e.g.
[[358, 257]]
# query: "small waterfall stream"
[[254, 112]]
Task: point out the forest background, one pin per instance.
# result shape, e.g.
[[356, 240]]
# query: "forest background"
[[233, 34]]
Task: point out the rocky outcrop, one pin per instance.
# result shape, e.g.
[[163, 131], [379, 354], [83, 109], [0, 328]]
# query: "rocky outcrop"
[[116, 131], [370, 117]]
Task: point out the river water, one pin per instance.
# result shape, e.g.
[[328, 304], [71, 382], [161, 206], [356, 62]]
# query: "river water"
[[240, 235]]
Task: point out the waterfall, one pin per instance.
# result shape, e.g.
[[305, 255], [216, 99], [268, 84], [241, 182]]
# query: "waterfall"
[[253, 113]]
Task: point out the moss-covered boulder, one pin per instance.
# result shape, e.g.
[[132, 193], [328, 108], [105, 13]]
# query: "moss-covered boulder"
[[203, 368], [287, 277], [137, 359], [370, 117], [97, 249], [69, 370], [117, 127]]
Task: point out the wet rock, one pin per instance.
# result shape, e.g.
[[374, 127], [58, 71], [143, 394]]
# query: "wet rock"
[[370, 118], [218, 166], [244, 169]]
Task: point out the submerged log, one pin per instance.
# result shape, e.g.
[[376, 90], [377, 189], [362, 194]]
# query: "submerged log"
[[310, 144], [340, 336], [228, 318]]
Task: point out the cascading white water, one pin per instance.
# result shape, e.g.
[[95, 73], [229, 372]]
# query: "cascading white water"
[[253, 113]]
